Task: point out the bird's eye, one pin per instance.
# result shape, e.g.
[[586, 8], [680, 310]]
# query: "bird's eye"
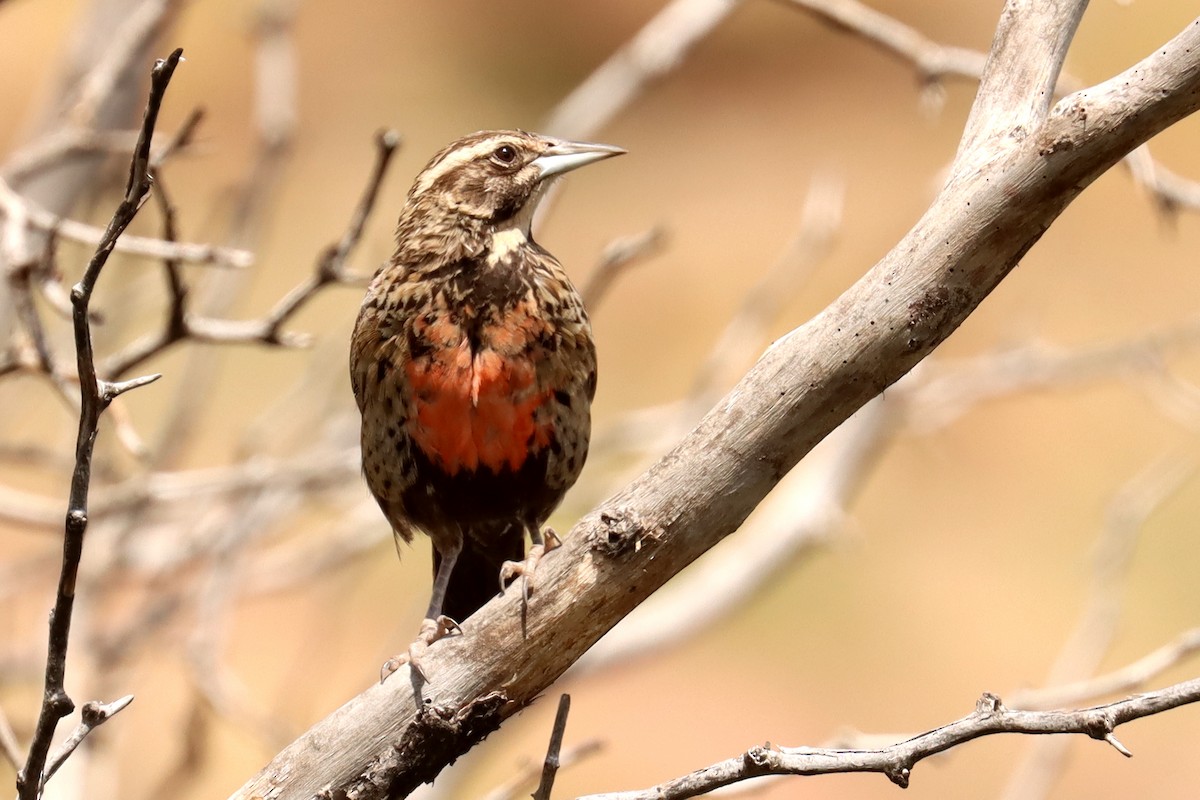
[[505, 154]]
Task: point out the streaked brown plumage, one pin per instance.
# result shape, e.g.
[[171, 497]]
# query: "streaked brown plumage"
[[473, 366]]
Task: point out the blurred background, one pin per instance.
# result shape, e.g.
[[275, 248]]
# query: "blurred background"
[[1022, 515]]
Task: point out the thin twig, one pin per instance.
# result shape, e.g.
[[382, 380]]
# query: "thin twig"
[[49, 151], [618, 256], [212, 484], [530, 771], [92, 716], [551, 764], [330, 269], [1171, 191], [1125, 679], [659, 47], [8, 742], [95, 396], [331, 266], [128, 38], [933, 61], [651, 430]]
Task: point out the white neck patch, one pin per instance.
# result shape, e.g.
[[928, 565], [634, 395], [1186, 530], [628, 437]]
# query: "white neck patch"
[[515, 232], [506, 241]]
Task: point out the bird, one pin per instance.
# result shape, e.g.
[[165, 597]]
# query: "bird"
[[473, 365]]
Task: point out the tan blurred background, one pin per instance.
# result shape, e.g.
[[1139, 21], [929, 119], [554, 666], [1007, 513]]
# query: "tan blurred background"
[[967, 558]]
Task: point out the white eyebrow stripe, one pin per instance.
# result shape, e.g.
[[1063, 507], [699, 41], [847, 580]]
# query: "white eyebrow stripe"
[[453, 161]]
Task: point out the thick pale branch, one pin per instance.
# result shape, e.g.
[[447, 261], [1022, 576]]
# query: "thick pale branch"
[[1018, 80]]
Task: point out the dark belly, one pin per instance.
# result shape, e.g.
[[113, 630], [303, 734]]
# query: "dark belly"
[[480, 497]]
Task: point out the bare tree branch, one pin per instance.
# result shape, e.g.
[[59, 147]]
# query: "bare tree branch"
[[656, 50], [182, 325], [14, 206], [1017, 85], [1126, 679], [933, 61], [48, 151], [531, 771], [1173, 192], [897, 761]]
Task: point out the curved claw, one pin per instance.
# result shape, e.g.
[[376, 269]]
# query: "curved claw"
[[431, 630], [510, 570]]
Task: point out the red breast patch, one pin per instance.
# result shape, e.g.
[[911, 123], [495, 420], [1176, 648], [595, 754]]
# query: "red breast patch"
[[473, 411]]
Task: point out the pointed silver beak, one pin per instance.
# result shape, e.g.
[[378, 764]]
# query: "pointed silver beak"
[[566, 156]]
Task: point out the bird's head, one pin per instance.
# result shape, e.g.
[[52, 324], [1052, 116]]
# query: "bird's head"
[[497, 178]]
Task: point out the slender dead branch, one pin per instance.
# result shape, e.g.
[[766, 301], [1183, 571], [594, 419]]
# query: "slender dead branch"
[[95, 396], [1171, 191], [657, 49], [1081, 654], [13, 205], [653, 430], [49, 151], [1126, 679], [897, 761], [933, 61], [331, 266]]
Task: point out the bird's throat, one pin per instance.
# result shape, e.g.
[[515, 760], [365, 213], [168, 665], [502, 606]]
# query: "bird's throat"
[[505, 243]]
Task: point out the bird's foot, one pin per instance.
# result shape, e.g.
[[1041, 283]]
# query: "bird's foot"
[[431, 631], [525, 569]]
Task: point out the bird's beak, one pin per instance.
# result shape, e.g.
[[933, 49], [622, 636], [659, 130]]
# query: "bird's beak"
[[566, 156]]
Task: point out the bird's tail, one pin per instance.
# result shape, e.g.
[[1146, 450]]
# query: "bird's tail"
[[476, 576]]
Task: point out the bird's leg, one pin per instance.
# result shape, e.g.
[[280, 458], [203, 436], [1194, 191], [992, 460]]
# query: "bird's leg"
[[435, 625], [540, 544]]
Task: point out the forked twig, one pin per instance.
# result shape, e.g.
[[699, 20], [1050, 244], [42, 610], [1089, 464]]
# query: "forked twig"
[[95, 397]]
